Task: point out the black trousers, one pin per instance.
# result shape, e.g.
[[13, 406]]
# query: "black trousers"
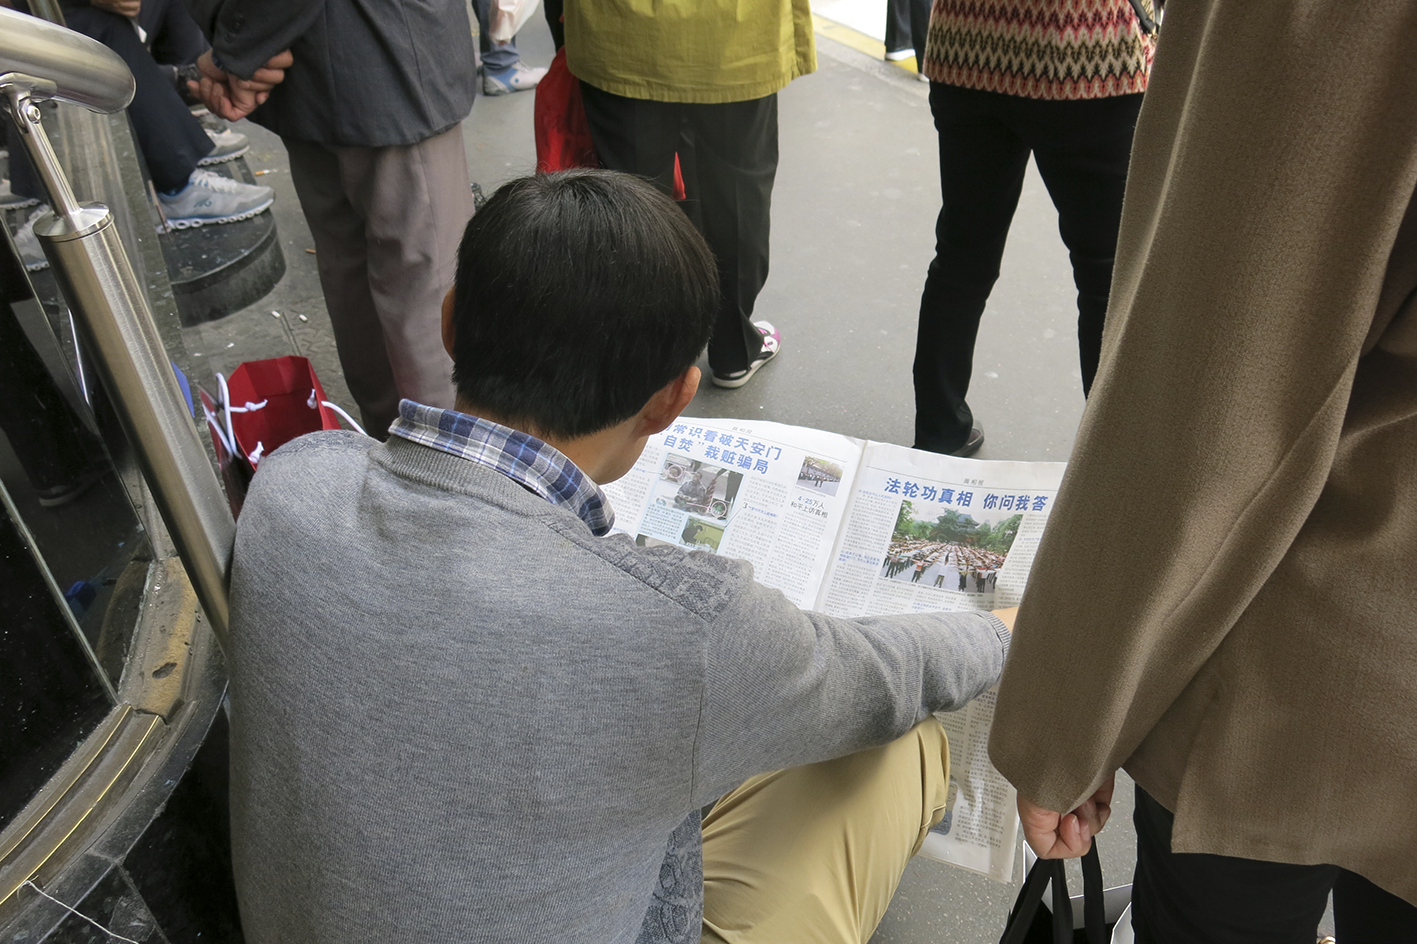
[[1082, 149], [53, 445], [173, 36], [1192, 898], [170, 139], [553, 10], [728, 154], [907, 25]]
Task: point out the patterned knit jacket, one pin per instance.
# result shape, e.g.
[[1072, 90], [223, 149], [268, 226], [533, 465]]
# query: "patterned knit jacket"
[[1050, 49]]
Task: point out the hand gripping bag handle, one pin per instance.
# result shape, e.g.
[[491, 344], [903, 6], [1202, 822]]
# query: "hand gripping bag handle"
[[1050, 872]]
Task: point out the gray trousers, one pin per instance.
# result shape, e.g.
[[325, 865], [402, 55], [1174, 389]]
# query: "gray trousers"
[[387, 222]]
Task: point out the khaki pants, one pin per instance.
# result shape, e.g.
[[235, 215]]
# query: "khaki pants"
[[815, 853], [387, 222]]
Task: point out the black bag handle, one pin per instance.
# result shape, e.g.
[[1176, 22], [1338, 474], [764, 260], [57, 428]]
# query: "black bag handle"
[[1046, 872], [1094, 899]]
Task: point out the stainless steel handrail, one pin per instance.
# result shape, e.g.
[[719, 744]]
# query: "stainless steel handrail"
[[48, 10], [79, 70], [40, 61]]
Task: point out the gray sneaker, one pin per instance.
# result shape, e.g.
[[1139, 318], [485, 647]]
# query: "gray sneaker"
[[212, 198], [229, 146], [28, 244]]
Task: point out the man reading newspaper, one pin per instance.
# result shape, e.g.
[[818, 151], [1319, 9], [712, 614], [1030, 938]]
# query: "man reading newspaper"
[[462, 711]]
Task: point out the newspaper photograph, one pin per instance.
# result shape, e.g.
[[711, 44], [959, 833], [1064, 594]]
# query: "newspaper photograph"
[[853, 528], [770, 494]]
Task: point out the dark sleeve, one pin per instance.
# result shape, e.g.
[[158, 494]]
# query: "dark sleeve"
[[246, 33], [785, 687]]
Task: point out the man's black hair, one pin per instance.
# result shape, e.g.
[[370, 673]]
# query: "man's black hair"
[[579, 295]]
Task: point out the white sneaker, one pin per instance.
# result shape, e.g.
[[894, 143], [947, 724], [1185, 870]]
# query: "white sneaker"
[[9, 200], [28, 244], [518, 77], [212, 198], [229, 146]]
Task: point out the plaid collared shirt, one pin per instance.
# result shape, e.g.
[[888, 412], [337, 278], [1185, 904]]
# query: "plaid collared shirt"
[[526, 460]]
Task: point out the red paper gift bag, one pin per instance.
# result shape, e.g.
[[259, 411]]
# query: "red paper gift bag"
[[263, 406]]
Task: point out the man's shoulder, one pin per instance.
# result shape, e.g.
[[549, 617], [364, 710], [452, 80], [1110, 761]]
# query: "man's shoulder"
[[703, 584], [328, 450], [318, 473], [305, 469]]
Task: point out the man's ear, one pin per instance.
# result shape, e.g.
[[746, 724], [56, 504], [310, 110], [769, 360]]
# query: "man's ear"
[[668, 402], [449, 331]]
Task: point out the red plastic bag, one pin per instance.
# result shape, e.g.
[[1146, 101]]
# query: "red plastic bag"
[[562, 133], [261, 407]]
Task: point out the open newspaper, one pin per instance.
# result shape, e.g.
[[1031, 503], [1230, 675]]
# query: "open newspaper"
[[851, 527]]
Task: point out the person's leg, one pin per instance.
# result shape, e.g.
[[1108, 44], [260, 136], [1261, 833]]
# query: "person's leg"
[[340, 255], [172, 141], [495, 56], [1082, 149], [634, 135], [57, 451], [417, 202], [982, 165], [730, 187], [176, 37], [1191, 898], [815, 853], [553, 10], [24, 180], [898, 34], [735, 164], [919, 29], [1363, 913]]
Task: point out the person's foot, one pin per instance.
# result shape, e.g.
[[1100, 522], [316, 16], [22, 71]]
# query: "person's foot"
[[772, 343], [27, 243], [229, 146], [972, 444], [518, 77], [896, 55], [212, 198], [57, 496], [9, 200]]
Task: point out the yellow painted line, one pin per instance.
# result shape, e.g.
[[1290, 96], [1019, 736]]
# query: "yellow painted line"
[[857, 40]]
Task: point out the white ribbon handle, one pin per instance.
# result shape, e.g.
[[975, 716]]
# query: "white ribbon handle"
[[338, 409], [229, 440], [220, 433]]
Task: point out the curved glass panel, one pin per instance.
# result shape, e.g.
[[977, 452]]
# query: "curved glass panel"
[[64, 488], [50, 695]]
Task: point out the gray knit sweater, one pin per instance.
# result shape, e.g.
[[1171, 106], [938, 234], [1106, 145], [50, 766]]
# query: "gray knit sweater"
[[458, 716]]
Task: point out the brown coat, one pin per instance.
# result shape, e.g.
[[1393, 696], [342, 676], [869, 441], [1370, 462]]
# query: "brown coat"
[[1246, 471]]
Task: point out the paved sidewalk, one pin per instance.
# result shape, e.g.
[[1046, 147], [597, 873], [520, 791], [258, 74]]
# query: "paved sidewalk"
[[854, 208]]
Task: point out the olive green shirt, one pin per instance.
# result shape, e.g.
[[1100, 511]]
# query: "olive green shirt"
[[696, 51]]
